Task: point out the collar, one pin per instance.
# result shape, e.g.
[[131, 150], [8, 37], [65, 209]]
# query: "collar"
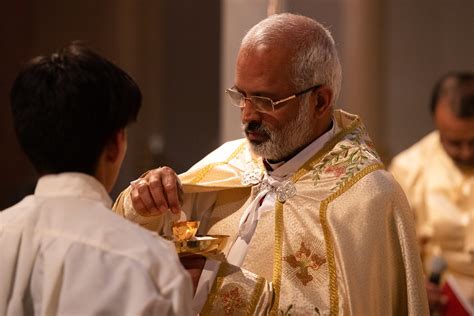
[[72, 184]]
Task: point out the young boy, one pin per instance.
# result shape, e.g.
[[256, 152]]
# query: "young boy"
[[63, 252]]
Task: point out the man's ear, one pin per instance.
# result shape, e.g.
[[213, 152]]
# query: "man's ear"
[[116, 146], [322, 98]]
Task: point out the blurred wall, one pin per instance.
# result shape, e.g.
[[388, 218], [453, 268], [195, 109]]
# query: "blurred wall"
[[171, 48], [424, 40], [15, 45]]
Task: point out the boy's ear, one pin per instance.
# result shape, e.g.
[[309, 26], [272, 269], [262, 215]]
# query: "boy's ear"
[[115, 146]]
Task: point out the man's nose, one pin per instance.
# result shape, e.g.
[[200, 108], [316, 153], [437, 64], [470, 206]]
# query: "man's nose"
[[248, 112]]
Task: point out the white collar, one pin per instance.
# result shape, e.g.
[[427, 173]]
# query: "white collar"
[[286, 169], [72, 184]]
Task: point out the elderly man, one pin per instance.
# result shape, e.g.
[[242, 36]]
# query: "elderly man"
[[315, 223], [437, 174]]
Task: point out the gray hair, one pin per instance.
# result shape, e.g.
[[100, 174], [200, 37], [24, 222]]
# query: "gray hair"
[[315, 59]]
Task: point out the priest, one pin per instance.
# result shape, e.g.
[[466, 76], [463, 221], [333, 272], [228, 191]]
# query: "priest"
[[316, 224]]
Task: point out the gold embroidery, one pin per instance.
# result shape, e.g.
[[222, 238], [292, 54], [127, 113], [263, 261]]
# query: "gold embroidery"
[[302, 261], [333, 294], [206, 310], [277, 262], [202, 173], [277, 256], [256, 296], [346, 158], [309, 165], [231, 297]]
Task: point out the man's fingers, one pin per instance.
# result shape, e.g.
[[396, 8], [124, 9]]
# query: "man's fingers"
[[137, 202], [157, 192], [171, 187], [142, 200]]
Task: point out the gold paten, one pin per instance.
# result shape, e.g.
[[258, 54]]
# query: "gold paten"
[[203, 245]]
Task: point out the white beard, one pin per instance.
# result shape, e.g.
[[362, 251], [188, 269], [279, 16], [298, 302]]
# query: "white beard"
[[282, 143]]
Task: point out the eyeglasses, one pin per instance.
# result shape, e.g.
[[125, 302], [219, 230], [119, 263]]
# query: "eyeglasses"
[[262, 104]]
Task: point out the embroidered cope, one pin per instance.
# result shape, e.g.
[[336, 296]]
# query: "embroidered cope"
[[337, 238]]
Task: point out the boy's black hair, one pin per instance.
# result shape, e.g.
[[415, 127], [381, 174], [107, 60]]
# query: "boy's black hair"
[[68, 105]]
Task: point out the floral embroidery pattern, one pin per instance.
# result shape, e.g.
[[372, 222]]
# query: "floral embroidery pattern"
[[302, 261], [337, 170], [346, 159], [231, 298]]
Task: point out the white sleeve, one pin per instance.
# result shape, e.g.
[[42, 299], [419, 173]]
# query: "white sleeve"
[[96, 282]]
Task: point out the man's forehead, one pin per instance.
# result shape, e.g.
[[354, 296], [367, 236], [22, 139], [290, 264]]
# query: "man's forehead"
[[263, 71]]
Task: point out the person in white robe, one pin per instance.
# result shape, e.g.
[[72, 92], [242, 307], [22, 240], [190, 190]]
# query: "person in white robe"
[[437, 174], [63, 250], [316, 225]]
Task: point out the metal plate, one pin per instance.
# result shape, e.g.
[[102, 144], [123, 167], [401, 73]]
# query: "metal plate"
[[209, 244]]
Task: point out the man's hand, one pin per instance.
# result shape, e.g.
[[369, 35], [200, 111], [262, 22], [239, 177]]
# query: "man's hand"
[[158, 191]]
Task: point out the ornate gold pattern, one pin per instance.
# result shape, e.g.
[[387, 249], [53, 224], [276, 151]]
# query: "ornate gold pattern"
[[277, 256], [302, 260], [231, 297], [309, 165], [278, 245], [256, 296], [202, 173], [216, 296], [345, 159], [206, 310], [333, 294]]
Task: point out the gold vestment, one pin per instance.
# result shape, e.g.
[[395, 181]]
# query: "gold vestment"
[[442, 197], [343, 244]]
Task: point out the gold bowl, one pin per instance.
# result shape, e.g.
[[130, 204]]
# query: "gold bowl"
[[184, 230], [209, 244]]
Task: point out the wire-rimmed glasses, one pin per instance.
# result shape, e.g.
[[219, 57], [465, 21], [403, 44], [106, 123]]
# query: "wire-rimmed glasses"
[[262, 104]]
